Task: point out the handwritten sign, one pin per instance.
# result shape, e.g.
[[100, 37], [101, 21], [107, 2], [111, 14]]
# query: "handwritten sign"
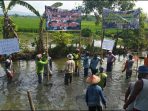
[[9, 46], [108, 44]]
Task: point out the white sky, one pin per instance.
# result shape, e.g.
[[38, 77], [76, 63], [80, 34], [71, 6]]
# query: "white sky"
[[40, 5]]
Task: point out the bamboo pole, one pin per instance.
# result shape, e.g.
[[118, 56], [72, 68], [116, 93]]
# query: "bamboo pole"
[[80, 45], [47, 56], [102, 38], [30, 101], [138, 46]]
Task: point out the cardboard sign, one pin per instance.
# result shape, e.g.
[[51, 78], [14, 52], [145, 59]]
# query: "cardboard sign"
[[9, 46], [108, 44]]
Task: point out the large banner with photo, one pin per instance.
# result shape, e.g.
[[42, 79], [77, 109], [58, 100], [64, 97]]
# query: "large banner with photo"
[[121, 19], [9, 46], [60, 19]]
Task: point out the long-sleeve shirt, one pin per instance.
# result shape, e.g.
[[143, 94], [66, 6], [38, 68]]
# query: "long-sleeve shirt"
[[94, 96], [40, 66]]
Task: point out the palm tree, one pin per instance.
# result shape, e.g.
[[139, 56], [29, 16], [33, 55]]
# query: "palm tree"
[[8, 25]]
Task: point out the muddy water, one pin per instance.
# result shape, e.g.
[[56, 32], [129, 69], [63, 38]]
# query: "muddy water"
[[53, 94]]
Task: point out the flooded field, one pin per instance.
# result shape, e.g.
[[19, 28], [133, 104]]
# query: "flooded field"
[[53, 94]]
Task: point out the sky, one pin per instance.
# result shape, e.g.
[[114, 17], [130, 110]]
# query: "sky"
[[40, 5]]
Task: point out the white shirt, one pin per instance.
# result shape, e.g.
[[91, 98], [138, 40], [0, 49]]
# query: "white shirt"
[[70, 66]]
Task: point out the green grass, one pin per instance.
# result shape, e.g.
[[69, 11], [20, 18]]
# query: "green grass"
[[26, 23]]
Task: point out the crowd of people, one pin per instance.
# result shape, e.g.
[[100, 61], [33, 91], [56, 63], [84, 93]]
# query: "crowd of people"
[[136, 98]]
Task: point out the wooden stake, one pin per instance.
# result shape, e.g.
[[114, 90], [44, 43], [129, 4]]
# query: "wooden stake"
[[30, 101]]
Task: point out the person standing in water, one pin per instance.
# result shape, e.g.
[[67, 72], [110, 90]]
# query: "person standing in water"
[[69, 69], [86, 63], [40, 67], [128, 66], [110, 60], [94, 95], [8, 68], [95, 63]]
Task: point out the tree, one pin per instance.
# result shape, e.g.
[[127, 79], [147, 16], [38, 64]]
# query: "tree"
[[61, 39], [8, 24]]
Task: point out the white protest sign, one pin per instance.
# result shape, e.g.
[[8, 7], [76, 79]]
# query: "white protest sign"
[[9, 46], [108, 44]]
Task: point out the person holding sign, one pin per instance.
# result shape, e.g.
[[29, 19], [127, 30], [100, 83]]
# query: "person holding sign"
[[110, 60]]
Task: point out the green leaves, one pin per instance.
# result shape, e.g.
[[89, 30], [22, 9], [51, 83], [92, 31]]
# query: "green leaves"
[[23, 3], [2, 5], [86, 32], [61, 38], [57, 4]]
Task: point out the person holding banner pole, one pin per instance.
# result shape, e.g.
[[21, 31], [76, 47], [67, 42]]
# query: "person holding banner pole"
[[40, 67]]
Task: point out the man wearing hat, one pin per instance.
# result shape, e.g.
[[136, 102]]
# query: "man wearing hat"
[[94, 94], [69, 69], [140, 91]]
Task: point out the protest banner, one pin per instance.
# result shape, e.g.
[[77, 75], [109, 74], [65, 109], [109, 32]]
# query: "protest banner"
[[108, 44], [121, 19], [9, 46], [60, 19]]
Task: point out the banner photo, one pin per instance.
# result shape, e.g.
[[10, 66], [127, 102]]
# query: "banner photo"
[[9, 46], [121, 19], [60, 19], [108, 44]]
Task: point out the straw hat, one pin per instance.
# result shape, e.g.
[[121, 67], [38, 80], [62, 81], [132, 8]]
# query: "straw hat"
[[93, 79], [70, 56]]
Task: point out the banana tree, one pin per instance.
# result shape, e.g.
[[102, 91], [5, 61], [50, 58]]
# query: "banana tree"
[[8, 24], [8, 27]]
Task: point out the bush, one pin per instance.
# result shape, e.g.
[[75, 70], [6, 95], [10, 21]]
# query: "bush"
[[86, 32]]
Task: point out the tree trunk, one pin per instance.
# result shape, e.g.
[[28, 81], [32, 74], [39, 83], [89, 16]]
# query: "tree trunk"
[[40, 46], [8, 30]]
